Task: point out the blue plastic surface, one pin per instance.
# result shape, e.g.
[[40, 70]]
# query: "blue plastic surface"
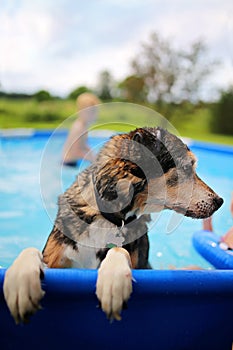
[[209, 146], [207, 245], [168, 310]]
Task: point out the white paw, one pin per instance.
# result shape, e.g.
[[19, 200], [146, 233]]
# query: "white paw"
[[22, 287], [114, 282]]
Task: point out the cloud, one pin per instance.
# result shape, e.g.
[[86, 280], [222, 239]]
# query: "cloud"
[[24, 35], [60, 45]]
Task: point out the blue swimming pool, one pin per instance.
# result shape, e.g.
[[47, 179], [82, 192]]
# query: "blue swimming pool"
[[31, 178]]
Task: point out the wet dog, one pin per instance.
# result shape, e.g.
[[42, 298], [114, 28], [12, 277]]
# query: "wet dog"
[[102, 218]]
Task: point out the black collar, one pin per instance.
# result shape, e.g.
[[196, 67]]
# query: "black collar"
[[117, 219]]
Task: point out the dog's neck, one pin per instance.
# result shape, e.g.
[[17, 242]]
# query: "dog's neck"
[[122, 217]]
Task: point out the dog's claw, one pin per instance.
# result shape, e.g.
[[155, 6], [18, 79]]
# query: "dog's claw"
[[26, 317], [112, 317], [125, 305]]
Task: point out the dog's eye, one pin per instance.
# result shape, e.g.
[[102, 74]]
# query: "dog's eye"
[[173, 179]]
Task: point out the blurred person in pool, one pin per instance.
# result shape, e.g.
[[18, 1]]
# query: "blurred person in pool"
[[76, 147], [226, 241]]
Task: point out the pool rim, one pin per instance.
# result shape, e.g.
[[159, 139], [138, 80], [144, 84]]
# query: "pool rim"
[[30, 133]]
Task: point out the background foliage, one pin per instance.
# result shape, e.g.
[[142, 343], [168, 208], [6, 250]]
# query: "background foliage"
[[161, 76]]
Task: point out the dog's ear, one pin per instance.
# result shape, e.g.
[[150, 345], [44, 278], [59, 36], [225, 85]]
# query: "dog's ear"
[[138, 137], [151, 140]]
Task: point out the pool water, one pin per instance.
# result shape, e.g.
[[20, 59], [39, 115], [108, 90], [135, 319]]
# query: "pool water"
[[31, 178]]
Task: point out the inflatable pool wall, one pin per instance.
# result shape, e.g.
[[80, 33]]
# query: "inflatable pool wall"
[[168, 310], [207, 245]]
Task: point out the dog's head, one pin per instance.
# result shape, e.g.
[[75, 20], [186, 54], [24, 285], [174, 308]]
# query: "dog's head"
[[148, 170], [172, 182]]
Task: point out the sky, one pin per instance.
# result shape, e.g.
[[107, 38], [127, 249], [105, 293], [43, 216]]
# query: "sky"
[[61, 44]]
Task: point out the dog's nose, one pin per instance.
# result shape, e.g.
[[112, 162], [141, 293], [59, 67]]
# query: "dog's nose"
[[218, 201]]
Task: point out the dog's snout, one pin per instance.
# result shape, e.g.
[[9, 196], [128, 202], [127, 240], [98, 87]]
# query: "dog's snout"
[[218, 201]]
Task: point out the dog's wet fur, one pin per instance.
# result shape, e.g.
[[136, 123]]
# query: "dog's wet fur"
[[137, 173], [143, 171]]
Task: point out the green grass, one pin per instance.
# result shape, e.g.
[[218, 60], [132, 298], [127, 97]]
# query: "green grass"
[[198, 125], [29, 113]]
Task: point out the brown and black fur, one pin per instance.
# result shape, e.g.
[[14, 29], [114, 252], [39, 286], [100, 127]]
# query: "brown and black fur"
[[136, 173]]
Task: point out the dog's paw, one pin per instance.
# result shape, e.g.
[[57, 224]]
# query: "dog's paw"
[[22, 287], [114, 282]]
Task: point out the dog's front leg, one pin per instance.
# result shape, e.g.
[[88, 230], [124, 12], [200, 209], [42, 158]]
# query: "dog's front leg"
[[22, 287], [114, 282]]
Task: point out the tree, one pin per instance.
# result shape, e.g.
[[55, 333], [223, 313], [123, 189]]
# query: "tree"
[[134, 89], [195, 69], [171, 75], [42, 95], [78, 91], [157, 65], [105, 85], [223, 113]]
